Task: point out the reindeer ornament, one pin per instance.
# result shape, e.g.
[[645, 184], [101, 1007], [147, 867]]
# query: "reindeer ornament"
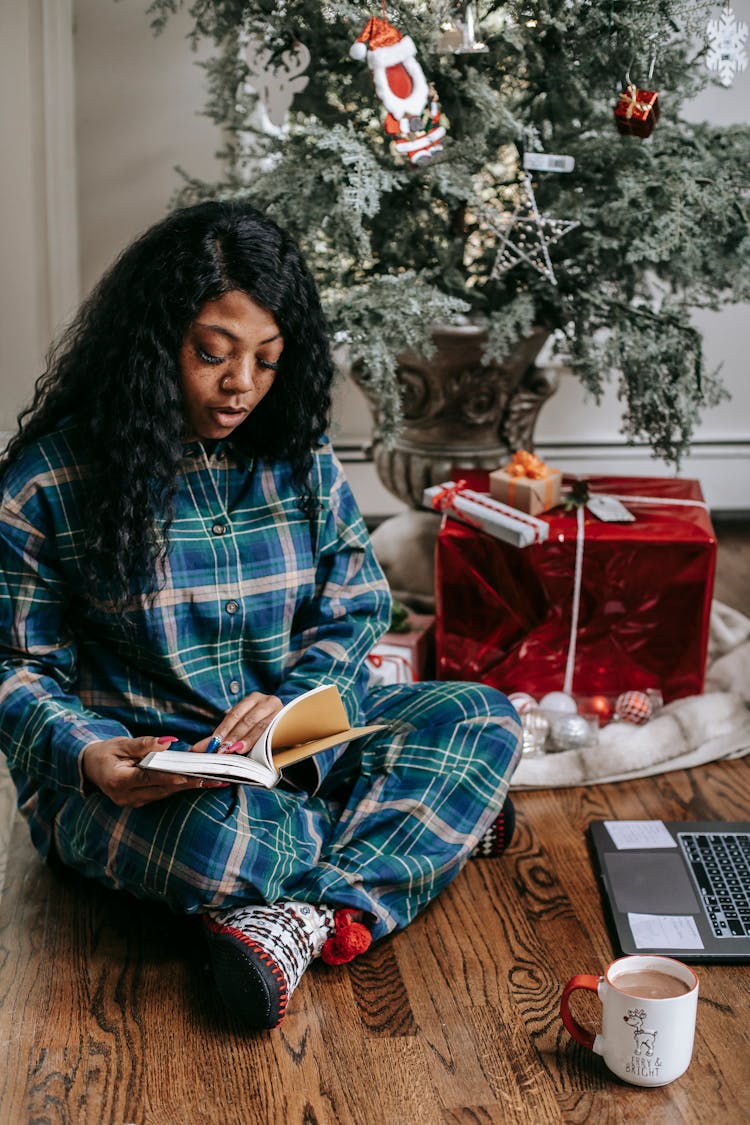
[[275, 83]]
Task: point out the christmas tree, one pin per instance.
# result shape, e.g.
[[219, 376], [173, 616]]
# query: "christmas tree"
[[456, 208]]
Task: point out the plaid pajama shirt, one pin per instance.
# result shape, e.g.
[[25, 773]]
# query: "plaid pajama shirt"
[[254, 596]]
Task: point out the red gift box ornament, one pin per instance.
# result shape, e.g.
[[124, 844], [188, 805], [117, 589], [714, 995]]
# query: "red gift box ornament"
[[637, 111]]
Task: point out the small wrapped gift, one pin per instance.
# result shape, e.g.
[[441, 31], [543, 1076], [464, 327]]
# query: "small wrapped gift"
[[482, 511], [637, 111], [527, 483], [405, 657]]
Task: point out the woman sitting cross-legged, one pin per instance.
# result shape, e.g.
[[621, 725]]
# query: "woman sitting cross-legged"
[[181, 556]]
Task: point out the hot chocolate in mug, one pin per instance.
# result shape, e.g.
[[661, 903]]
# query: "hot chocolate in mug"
[[649, 1005]]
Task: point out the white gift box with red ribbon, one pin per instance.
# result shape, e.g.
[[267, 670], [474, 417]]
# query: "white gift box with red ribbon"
[[480, 510], [391, 665], [405, 657]]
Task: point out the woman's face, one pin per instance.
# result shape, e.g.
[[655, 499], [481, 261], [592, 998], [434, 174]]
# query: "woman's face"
[[228, 361]]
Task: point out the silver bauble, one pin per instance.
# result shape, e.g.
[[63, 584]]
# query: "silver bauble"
[[571, 732], [535, 730]]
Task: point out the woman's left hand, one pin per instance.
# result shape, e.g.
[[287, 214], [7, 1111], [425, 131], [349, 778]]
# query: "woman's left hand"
[[246, 721]]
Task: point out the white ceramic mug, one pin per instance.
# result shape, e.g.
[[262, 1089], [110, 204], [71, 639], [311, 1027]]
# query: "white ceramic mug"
[[645, 1039]]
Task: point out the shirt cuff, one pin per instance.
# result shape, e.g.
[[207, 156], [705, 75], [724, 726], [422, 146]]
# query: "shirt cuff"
[[70, 744]]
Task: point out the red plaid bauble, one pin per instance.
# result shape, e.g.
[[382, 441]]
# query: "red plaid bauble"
[[633, 707]]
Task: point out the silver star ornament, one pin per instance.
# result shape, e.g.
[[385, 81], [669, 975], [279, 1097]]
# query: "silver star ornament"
[[527, 235]]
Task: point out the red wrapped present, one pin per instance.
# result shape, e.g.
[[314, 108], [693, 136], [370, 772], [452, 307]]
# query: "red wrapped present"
[[597, 609], [408, 656], [637, 111]]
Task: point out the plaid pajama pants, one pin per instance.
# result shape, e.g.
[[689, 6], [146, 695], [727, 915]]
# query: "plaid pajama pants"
[[392, 824]]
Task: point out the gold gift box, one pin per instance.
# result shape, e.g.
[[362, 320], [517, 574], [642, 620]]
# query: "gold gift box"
[[528, 494]]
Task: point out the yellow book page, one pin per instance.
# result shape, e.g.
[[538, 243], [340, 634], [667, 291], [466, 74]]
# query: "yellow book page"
[[317, 714], [297, 753]]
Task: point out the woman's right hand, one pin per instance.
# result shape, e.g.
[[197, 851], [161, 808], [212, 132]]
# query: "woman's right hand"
[[113, 765]]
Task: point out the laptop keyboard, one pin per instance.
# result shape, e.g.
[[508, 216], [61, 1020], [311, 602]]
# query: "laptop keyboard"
[[720, 864]]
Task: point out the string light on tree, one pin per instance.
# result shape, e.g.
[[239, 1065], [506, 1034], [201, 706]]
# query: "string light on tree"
[[527, 235]]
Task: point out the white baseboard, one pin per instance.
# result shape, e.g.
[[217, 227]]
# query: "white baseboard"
[[723, 469]]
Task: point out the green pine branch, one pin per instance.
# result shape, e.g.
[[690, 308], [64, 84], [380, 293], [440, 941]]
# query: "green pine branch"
[[663, 223]]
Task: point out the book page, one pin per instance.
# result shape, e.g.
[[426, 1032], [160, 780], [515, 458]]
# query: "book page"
[[307, 725], [294, 754], [318, 713], [242, 768], [216, 767]]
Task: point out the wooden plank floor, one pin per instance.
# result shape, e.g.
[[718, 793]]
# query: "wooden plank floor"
[[733, 564], [108, 1016]]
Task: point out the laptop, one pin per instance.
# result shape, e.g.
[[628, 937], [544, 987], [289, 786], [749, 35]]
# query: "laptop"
[[681, 888]]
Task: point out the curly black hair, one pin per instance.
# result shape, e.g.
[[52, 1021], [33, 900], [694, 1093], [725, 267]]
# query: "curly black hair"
[[115, 371]]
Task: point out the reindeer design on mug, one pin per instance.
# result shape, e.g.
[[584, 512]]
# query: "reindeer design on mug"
[[644, 1038]]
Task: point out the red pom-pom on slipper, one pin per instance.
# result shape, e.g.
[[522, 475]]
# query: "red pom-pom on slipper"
[[350, 939]]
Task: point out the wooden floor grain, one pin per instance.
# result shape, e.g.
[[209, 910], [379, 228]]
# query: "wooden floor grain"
[[733, 564], [108, 1015]]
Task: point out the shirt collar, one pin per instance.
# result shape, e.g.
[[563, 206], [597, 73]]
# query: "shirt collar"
[[195, 450]]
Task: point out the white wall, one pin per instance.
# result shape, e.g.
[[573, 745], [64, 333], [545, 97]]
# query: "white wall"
[[24, 312], [137, 115]]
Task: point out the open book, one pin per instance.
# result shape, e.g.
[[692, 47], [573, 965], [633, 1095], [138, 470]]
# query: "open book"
[[308, 724]]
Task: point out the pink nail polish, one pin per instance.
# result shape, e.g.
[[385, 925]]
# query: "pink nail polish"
[[233, 748], [167, 738]]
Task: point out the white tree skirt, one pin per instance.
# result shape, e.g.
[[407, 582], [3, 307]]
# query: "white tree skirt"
[[687, 732]]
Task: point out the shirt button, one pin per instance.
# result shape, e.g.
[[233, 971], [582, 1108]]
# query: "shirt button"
[[234, 687], [232, 607], [219, 528]]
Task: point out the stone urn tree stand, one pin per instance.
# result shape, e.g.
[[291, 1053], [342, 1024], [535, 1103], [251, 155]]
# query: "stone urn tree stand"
[[459, 413]]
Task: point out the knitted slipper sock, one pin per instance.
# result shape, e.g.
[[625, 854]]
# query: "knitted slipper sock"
[[499, 834], [259, 953]]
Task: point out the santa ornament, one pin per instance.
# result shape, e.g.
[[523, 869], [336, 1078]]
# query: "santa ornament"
[[413, 118]]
